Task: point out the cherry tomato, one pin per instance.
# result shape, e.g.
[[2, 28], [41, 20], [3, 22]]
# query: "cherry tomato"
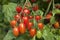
[[29, 26], [15, 31], [30, 17], [33, 1], [26, 11], [18, 9], [40, 25], [13, 23], [22, 28], [35, 8], [32, 32], [48, 16], [57, 6], [17, 17], [56, 25], [26, 20], [37, 17], [39, 34]]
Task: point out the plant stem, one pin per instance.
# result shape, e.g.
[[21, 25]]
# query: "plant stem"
[[53, 5], [48, 8]]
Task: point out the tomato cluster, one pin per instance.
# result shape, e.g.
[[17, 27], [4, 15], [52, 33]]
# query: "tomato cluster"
[[22, 23]]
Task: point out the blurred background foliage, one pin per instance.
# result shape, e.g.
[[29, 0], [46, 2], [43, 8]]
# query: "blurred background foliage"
[[6, 17]]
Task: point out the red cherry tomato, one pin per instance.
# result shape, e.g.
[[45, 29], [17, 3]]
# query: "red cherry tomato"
[[13, 23], [30, 17], [15, 31], [32, 32], [18, 9], [26, 20], [35, 8], [57, 6], [48, 16], [40, 25], [33, 1], [29, 26], [22, 28], [37, 17], [17, 17], [26, 11], [56, 25]]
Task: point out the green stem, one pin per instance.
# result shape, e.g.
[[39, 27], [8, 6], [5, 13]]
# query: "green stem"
[[48, 8], [53, 5]]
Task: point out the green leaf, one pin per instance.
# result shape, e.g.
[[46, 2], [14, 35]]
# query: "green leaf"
[[47, 34], [56, 11], [52, 20], [33, 38], [9, 36], [39, 12], [8, 11], [57, 37]]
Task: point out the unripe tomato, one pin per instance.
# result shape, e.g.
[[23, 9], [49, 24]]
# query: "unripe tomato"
[[29, 26], [15, 31], [35, 8], [37, 17], [18, 9], [39, 34], [26, 20], [48, 16], [26, 11], [13, 23], [17, 17], [56, 25], [40, 25], [32, 32], [22, 28]]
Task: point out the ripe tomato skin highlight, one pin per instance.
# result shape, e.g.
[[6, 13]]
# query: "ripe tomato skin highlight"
[[35, 8], [13, 23], [29, 26], [22, 28], [37, 17], [32, 32], [25, 20], [18, 9], [26, 11], [15, 31], [40, 25], [56, 25], [17, 17]]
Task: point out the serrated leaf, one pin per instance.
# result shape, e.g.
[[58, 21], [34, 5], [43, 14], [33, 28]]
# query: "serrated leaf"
[[57, 37], [47, 34], [9, 36], [8, 11]]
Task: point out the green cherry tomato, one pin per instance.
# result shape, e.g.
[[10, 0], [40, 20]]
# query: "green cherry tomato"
[[39, 34]]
